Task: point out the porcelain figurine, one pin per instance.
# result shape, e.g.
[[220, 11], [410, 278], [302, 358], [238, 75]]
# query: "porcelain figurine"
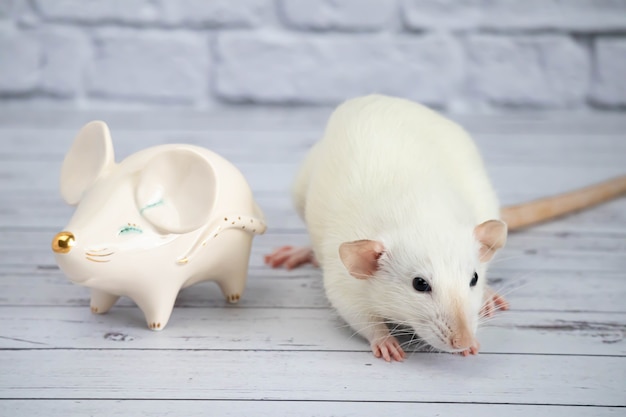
[[163, 219]]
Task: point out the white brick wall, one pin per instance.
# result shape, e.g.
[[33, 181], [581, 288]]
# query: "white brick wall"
[[511, 15], [346, 15], [609, 88], [20, 57], [542, 70], [456, 54], [269, 67], [65, 53], [149, 65]]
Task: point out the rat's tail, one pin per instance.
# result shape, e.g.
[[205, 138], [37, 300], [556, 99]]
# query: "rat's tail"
[[538, 211]]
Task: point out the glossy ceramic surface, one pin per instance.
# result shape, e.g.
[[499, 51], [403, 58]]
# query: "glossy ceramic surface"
[[164, 218]]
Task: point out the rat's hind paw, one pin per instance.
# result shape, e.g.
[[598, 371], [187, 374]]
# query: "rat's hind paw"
[[493, 302], [291, 257], [388, 349]]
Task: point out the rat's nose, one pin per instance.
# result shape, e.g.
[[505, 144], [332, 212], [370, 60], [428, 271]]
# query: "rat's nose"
[[63, 242]]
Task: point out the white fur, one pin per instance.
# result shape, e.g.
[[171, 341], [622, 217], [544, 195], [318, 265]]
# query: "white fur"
[[393, 171]]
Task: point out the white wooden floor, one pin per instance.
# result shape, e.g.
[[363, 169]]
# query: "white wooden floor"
[[282, 351]]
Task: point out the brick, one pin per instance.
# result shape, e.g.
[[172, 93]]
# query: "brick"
[[575, 15], [217, 13], [20, 60], [357, 15], [149, 65], [65, 53], [609, 81], [6, 8], [545, 71], [99, 11], [319, 69], [18, 11]]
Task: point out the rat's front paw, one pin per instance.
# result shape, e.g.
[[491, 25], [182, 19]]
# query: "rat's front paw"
[[388, 348], [492, 303], [291, 257], [472, 350]]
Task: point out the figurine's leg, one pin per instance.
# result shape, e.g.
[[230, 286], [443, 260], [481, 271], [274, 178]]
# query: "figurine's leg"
[[157, 306], [102, 301], [232, 281]]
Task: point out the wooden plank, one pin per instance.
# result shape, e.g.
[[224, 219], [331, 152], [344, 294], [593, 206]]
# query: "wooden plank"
[[202, 408], [283, 341], [599, 251], [236, 146], [297, 118], [511, 153], [524, 253], [46, 211], [303, 288], [518, 171], [291, 329], [512, 183], [520, 150], [320, 376], [275, 289], [517, 180], [23, 176], [229, 118], [530, 242]]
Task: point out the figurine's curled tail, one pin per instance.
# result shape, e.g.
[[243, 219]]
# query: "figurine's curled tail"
[[245, 223]]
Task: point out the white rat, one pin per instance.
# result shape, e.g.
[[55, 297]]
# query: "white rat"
[[403, 221]]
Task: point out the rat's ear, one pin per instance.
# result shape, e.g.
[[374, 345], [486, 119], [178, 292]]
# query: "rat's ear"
[[492, 236], [176, 191], [361, 257], [90, 156]]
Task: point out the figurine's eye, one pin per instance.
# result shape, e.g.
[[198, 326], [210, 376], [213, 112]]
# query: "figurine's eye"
[[128, 229], [151, 205], [474, 280], [421, 285]]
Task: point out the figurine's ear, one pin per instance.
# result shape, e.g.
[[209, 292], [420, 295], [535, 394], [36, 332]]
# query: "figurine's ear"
[[90, 156], [176, 191]]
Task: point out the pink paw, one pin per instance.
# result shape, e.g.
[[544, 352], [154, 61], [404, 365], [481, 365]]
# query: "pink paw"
[[388, 348], [472, 350], [493, 302], [291, 257]]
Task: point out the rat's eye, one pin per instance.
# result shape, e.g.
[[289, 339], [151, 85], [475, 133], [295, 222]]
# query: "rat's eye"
[[474, 280], [421, 285]]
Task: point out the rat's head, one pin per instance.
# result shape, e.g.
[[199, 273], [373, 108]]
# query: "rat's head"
[[437, 290], [125, 214]]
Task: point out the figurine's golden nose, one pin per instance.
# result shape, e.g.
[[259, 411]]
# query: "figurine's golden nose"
[[63, 242]]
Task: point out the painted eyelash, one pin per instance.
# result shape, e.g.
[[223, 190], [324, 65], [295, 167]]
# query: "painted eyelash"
[[129, 228]]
